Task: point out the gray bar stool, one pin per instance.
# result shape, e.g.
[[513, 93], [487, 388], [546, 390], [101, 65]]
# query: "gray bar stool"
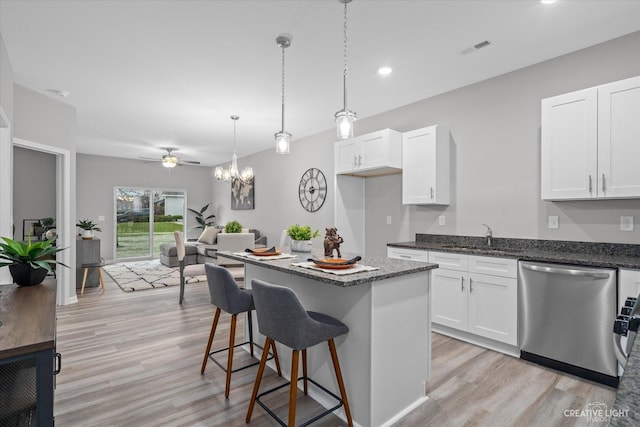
[[228, 296], [282, 318]]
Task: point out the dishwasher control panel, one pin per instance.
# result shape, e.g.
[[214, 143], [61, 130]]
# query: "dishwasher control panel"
[[629, 317]]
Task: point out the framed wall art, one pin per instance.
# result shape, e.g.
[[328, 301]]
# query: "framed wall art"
[[242, 194]]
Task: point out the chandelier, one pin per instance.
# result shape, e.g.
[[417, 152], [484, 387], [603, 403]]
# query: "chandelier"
[[345, 117], [232, 172], [283, 138]]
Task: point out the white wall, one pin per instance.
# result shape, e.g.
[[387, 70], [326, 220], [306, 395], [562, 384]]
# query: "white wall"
[[50, 123], [34, 186], [495, 135], [99, 175], [6, 152]]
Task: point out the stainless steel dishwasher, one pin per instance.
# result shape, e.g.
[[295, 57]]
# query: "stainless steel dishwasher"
[[565, 315]]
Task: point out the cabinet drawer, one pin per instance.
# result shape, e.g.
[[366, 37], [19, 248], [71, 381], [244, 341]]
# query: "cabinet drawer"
[[449, 261], [503, 267], [408, 254]]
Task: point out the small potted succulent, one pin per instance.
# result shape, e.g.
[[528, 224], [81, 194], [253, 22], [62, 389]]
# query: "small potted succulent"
[[28, 262], [301, 236], [88, 228], [233, 227]]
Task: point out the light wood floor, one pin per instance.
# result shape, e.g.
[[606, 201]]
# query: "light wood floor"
[[133, 359]]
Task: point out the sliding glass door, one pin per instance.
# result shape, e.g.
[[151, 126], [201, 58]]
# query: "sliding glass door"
[[146, 218]]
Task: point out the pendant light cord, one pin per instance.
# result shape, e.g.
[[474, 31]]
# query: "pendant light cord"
[[283, 45], [345, 75]]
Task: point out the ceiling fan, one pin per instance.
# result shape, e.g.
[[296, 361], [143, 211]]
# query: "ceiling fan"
[[171, 161]]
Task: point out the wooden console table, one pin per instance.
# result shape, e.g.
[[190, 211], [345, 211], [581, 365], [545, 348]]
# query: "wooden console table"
[[27, 353]]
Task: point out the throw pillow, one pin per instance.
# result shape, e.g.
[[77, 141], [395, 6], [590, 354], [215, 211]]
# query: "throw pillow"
[[209, 236]]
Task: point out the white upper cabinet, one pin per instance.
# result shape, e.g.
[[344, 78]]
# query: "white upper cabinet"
[[373, 154], [591, 143], [425, 166]]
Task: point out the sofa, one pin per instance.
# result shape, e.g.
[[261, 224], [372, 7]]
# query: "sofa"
[[212, 240]]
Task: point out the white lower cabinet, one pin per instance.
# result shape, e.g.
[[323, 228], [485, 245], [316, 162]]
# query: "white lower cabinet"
[[408, 254], [476, 294]]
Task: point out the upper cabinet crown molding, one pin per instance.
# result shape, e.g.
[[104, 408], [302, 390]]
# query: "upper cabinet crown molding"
[[426, 166], [591, 143], [374, 154]]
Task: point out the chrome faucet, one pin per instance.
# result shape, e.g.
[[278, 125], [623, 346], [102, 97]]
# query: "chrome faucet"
[[488, 235]]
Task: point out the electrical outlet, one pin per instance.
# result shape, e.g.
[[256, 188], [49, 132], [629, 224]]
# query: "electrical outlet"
[[388, 219], [553, 222], [626, 223], [441, 220], [100, 217]]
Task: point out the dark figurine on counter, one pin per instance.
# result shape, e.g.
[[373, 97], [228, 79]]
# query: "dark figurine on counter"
[[332, 241]]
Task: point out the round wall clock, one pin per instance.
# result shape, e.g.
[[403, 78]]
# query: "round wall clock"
[[312, 189]]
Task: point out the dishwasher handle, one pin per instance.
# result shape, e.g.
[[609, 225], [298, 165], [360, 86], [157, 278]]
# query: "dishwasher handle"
[[566, 271]]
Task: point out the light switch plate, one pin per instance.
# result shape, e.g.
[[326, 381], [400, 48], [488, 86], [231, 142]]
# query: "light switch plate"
[[388, 219], [553, 222], [100, 217], [626, 223], [441, 220]]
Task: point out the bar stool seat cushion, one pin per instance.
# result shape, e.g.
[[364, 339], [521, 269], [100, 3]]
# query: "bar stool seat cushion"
[[288, 323]]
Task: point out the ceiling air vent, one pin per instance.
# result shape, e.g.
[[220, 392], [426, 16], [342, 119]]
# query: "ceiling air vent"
[[475, 47]]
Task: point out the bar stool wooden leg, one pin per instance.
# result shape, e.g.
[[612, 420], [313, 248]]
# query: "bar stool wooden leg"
[[213, 332], [232, 339], [304, 370], [84, 280], [250, 325], [256, 386], [293, 389], [275, 357], [343, 392]]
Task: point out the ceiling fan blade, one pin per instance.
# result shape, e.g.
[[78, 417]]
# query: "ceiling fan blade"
[[191, 162], [150, 159]]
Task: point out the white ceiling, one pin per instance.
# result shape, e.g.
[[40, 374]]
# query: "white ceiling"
[[151, 74]]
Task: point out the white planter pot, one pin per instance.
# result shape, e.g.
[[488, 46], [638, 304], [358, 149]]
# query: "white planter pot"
[[87, 234], [301, 245]]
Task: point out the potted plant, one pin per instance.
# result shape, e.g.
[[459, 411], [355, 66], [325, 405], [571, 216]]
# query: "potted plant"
[[301, 236], [88, 228], [200, 219], [233, 227], [28, 262]]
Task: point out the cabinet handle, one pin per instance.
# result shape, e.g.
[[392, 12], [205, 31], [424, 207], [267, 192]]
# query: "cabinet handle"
[[431, 193], [462, 283], [57, 364], [405, 256], [590, 185], [470, 285], [359, 160], [603, 186], [355, 161]]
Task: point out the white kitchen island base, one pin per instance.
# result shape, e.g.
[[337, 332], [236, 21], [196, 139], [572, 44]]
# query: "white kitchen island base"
[[385, 357]]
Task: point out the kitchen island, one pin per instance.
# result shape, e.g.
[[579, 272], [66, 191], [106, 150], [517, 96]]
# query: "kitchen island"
[[385, 357]]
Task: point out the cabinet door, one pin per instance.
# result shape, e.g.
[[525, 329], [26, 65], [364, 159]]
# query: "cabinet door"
[[375, 150], [419, 166], [569, 146], [493, 307], [619, 139], [628, 285], [449, 298], [347, 154]]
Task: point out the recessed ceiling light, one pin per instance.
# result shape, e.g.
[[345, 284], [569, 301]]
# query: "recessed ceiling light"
[[383, 71], [548, 1], [60, 93]]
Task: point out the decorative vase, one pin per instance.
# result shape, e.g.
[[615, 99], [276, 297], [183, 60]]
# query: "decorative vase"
[[87, 234], [301, 245], [25, 275]]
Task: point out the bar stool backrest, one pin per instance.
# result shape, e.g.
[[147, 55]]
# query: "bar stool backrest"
[[179, 244], [225, 292], [281, 316]]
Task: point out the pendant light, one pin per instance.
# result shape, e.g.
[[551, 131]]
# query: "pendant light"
[[345, 117], [232, 172], [283, 138]]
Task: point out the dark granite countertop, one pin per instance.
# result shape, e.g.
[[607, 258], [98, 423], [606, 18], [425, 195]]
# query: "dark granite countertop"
[[612, 255], [387, 268], [627, 405]]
